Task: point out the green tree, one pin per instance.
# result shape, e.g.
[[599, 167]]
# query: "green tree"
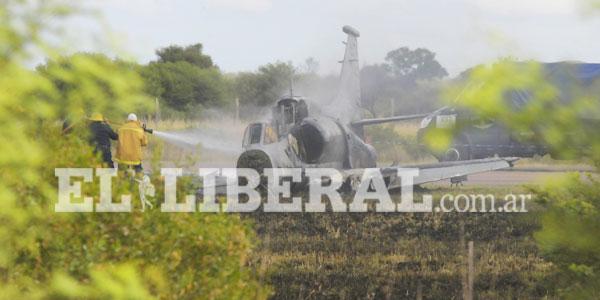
[[412, 65], [184, 86], [409, 80], [375, 81], [264, 87], [185, 80], [191, 54]]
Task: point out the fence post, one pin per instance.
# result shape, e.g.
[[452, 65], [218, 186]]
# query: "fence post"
[[463, 259], [471, 274]]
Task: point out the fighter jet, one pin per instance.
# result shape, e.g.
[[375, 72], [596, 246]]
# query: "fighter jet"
[[298, 137]]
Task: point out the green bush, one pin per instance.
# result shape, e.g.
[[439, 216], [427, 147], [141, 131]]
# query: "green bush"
[[45, 254], [569, 234]]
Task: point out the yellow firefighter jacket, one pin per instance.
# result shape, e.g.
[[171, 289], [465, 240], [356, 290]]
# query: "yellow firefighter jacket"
[[131, 140]]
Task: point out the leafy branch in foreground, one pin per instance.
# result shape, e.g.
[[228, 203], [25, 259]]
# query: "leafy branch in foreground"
[[92, 256], [560, 108]]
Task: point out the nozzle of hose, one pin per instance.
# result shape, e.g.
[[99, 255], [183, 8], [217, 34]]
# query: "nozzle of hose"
[[148, 130]]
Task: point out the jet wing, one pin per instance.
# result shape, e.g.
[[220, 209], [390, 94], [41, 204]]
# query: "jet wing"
[[427, 172], [387, 120], [440, 171]]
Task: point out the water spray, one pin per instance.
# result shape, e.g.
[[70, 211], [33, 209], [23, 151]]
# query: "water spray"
[[192, 138]]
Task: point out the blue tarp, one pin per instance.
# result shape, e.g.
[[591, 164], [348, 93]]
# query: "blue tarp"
[[583, 72], [570, 78]]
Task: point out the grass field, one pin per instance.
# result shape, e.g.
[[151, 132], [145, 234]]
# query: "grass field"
[[394, 255]]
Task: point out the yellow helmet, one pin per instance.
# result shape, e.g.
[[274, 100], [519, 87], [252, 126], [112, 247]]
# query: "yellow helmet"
[[96, 117]]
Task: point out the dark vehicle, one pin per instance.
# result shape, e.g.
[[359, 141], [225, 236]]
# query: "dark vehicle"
[[476, 138]]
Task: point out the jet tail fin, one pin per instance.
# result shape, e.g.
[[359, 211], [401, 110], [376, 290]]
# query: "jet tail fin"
[[346, 104]]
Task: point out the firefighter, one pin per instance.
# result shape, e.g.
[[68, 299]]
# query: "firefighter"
[[100, 137], [131, 140]]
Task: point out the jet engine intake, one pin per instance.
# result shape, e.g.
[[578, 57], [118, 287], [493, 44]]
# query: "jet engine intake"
[[320, 141]]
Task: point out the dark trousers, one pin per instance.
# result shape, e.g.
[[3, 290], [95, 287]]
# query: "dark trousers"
[[105, 153], [136, 168]]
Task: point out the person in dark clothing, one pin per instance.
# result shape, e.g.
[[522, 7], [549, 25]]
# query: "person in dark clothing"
[[100, 137]]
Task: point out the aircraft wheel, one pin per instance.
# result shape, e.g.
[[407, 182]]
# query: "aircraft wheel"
[[451, 154], [460, 150]]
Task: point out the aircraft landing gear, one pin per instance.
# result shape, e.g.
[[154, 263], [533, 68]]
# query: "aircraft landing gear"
[[458, 180]]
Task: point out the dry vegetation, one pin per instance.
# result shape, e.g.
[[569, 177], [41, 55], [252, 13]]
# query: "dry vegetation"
[[391, 256]]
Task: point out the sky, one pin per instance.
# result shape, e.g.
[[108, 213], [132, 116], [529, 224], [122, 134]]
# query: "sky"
[[241, 35]]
